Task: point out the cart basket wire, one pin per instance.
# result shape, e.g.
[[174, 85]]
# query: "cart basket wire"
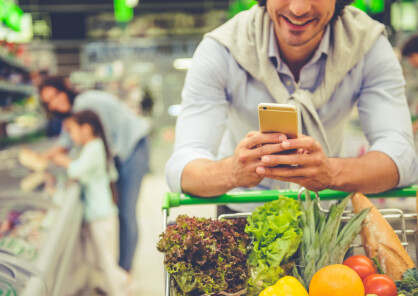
[[172, 200]]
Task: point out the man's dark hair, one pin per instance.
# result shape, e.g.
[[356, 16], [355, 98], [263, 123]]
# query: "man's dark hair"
[[410, 47], [60, 83], [339, 7]]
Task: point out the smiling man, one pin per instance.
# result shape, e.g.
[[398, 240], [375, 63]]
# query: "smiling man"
[[324, 57]]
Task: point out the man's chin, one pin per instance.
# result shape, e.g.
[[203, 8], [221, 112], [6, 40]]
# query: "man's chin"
[[295, 44], [296, 39]]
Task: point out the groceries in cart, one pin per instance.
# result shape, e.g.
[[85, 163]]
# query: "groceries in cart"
[[289, 247], [205, 256]]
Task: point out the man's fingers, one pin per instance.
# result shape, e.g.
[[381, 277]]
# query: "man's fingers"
[[291, 159], [254, 139], [267, 149], [306, 143], [283, 172]]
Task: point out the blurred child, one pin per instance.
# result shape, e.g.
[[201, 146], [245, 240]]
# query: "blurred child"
[[95, 171]]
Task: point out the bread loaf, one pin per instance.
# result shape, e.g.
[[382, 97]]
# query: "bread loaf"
[[32, 160], [32, 181], [379, 240]]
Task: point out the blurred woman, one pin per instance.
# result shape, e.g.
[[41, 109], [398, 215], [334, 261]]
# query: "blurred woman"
[[127, 134], [95, 171]]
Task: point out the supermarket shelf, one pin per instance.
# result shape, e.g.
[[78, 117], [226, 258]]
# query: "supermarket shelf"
[[13, 62], [16, 89], [61, 240], [46, 275], [30, 135], [11, 115], [7, 117]]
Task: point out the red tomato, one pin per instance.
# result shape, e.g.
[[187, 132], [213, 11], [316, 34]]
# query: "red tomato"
[[380, 284], [361, 264]]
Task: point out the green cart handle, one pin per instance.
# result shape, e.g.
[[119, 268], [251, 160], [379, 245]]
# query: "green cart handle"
[[172, 200]]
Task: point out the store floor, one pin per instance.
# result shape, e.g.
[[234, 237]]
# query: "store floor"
[[148, 270]]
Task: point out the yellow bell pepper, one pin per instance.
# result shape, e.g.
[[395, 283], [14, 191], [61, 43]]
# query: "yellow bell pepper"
[[286, 286]]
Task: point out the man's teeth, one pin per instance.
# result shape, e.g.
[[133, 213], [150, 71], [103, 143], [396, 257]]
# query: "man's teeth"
[[298, 23]]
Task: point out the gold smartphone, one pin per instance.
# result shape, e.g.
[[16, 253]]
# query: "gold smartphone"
[[278, 118]]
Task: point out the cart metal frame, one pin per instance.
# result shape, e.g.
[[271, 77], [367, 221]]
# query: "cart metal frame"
[[172, 200]]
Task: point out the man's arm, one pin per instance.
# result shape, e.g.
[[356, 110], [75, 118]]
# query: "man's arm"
[[311, 168], [193, 167], [371, 173], [208, 178]]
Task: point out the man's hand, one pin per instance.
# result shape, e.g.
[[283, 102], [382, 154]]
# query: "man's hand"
[[248, 155], [308, 167], [256, 158], [204, 177]]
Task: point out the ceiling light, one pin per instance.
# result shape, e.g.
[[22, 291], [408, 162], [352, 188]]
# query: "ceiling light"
[[182, 64], [174, 110]]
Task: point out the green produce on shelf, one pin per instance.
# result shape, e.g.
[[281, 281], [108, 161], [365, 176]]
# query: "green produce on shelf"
[[19, 247], [6, 288], [13, 62], [16, 89]]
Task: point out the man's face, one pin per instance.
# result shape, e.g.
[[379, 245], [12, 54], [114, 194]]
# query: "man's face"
[[300, 22], [57, 101], [413, 59]]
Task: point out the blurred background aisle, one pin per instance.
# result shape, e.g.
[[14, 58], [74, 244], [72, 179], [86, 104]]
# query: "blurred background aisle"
[[140, 52]]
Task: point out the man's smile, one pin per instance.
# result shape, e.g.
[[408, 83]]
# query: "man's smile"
[[297, 25]]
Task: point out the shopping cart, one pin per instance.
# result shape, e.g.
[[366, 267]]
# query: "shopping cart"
[[403, 223]]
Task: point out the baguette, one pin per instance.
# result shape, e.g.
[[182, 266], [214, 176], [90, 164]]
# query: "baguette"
[[32, 160], [32, 181], [379, 240]]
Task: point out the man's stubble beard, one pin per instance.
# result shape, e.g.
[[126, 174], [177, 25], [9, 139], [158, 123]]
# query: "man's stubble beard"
[[314, 15], [303, 42]]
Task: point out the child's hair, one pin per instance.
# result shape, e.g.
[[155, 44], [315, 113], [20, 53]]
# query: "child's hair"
[[91, 118]]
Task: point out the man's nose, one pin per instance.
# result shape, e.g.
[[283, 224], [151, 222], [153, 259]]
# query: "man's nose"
[[300, 7]]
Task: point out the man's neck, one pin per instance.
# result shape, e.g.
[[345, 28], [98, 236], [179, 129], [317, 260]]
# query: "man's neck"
[[296, 57]]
